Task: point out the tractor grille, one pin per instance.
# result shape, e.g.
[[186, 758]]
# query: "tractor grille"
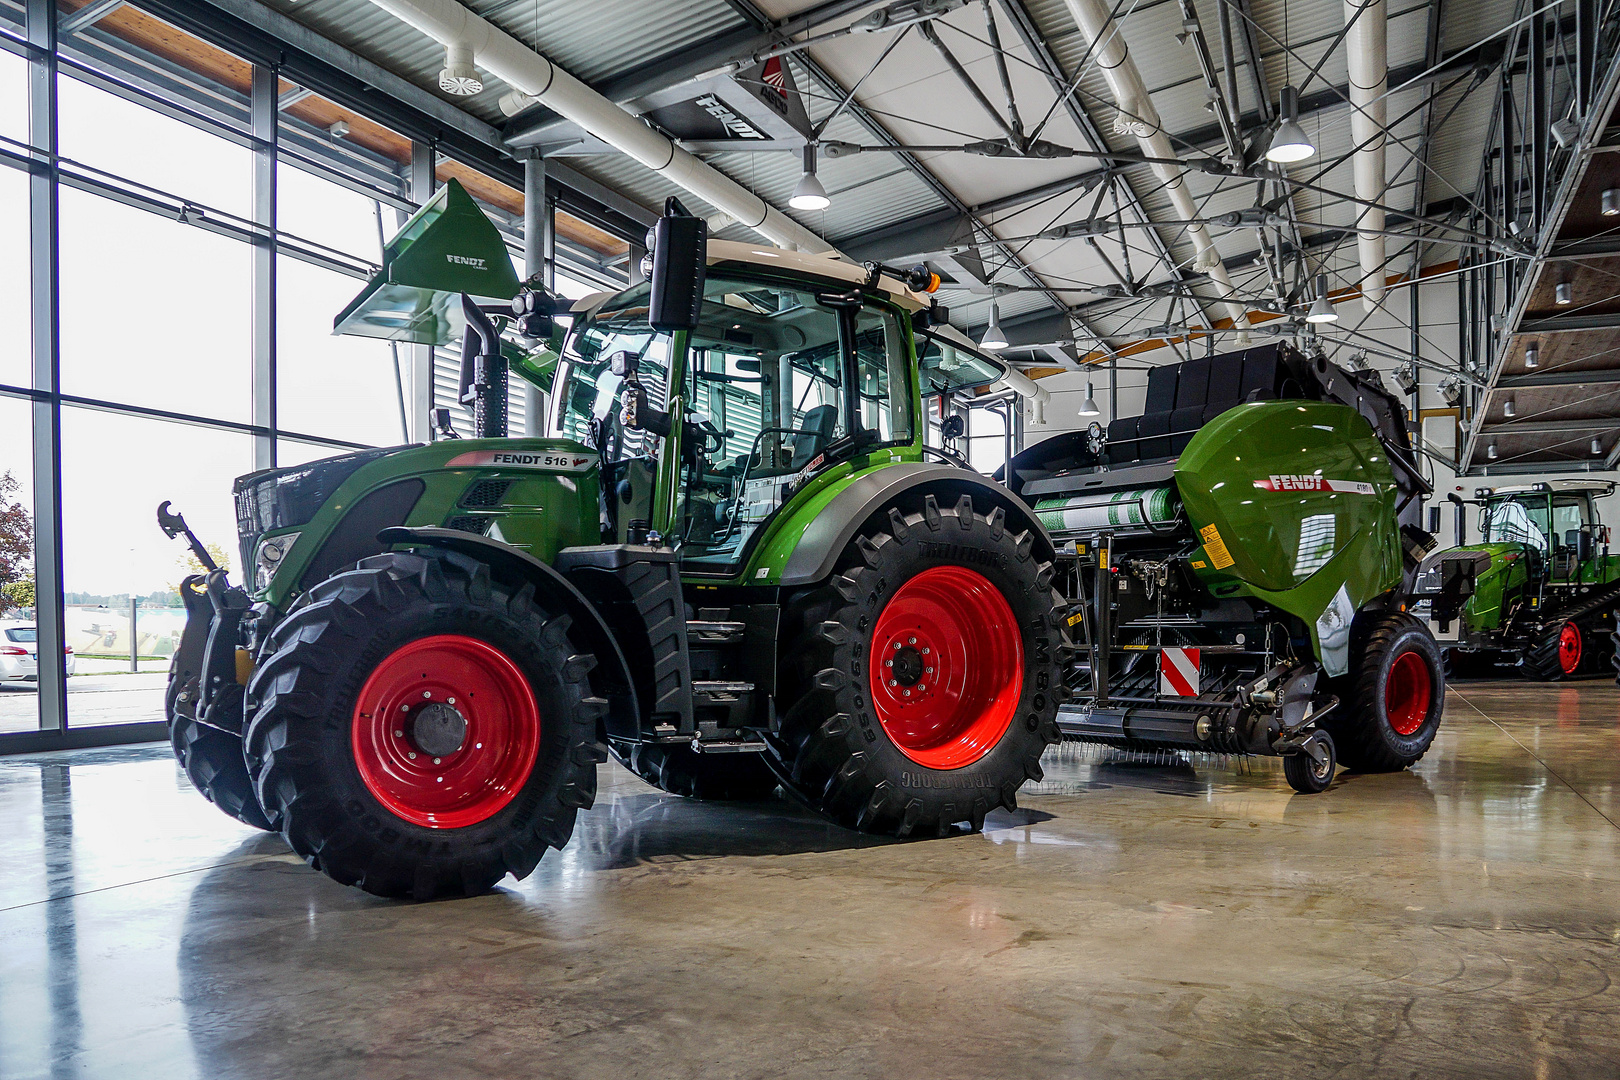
[[285, 498], [484, 494]]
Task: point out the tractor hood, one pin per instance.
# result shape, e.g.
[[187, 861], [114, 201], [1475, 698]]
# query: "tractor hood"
[[1488, 559]]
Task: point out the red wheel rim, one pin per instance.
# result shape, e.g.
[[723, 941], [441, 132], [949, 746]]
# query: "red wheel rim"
[[947, 667], [1569, 648], [495, 756], [1407, 692]]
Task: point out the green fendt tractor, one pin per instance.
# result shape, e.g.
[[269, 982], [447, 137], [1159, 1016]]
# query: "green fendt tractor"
[[1236, 560], [1539, 589], [731, 564]]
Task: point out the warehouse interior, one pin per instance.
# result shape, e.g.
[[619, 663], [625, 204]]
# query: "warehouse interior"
[[1030, 231]]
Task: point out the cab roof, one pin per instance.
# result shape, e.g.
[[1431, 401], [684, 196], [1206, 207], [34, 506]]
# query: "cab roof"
[[765, 257], [1556, 487]]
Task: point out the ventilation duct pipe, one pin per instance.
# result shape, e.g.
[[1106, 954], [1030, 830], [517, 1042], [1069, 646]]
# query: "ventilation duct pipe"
[[1036, 395], [1140, 118], [1366, 48], [531, 74]]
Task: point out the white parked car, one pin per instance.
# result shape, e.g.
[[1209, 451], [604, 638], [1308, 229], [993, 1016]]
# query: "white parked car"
[[19, 657]]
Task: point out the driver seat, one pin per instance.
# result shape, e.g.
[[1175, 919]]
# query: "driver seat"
[[812, 439]]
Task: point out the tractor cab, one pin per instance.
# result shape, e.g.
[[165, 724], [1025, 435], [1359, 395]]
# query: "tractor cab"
[[1556, 523]]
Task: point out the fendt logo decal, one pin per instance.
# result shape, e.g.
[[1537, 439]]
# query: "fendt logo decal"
[[467, 260], [1314, 483], [730, 120], [550, 461]]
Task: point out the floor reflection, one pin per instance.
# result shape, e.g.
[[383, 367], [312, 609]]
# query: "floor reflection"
[[1459, 919]]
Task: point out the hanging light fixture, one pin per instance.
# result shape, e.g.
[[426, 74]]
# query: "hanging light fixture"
[[1532, 356], [1509, 409], [1490, 451], [809, 195], [993, 337], [1611, 202], [1563, 294], [1289, 143], [1322, 310], [1597, 446], [1088, 407]]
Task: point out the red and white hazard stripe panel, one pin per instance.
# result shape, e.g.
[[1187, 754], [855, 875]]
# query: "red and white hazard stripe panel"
[[1178, 672]]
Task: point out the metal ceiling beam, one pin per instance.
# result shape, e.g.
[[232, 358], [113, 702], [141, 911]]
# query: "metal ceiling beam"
[[1554, 324], [1550, 427], [1559, 378]]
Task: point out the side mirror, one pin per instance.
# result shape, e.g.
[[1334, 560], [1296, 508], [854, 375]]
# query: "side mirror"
[[679, 244], [1434, 519], [1583, 546], [952, 426]]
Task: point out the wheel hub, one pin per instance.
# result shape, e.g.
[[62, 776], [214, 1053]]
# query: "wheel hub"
[[907, 665], [438, 728]]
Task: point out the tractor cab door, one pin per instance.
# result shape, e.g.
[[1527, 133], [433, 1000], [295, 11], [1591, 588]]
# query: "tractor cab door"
[[1571, 536], [589, 399], [778, 383]]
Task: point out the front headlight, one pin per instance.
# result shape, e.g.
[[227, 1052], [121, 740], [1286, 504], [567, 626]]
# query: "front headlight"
[[272, 549]]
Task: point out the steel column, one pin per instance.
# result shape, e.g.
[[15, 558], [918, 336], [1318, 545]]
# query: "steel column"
[[1539, 121], [424, 160], [45, 358], [265, 109], [537, 243]]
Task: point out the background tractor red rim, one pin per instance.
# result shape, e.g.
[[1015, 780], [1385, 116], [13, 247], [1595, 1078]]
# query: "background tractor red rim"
[[1407, 693], [960, 629], [1569, 648], [497, 753]]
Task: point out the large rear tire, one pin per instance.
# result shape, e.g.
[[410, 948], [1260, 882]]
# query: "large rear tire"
[[1391, 701], [923, 682], [423, 730], [212, 760], [680, 770]]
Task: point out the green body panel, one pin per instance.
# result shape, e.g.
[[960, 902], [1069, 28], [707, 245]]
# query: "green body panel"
[[1292, 500], [446, 248], [550, 504], [1506, 578]]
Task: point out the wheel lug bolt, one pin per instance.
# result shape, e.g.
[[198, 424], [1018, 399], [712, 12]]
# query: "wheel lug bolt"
[[436, 761], [404, 708], [897, 646], [888, 663], [449, 701], [399, 734], [925, 650], [441, 779], [427, 693], [412, 754], [928, 671], [907, 693], [911, 641], [893, 682]]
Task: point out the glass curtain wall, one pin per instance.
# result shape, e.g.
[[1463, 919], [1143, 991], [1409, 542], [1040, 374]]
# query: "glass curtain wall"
[[182, 226]]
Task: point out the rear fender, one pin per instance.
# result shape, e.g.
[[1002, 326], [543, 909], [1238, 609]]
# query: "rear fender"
[[864, 504], [611, 677]]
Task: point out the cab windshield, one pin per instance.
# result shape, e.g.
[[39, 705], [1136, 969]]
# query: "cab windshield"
[[776, 376], [1536, 520]]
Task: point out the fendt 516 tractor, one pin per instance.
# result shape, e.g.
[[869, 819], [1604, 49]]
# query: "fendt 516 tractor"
[[732, 563], [1235, 560], [1538, 590]]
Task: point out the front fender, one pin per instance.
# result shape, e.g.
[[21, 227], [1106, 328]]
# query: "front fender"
[[866, 500], [612, 674]]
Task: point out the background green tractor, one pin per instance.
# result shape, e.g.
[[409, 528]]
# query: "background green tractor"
[[1236, 558], [1539, 589], [729, 564]]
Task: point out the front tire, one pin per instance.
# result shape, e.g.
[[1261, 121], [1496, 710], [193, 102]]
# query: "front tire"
[[923, 684], [212, 760], [423, 730], [1391, 701]]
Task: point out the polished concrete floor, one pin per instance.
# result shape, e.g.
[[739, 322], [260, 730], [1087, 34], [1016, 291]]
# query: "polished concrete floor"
[[1133, 919]]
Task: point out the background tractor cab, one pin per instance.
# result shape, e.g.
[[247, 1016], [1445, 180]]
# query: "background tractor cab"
[[1538, 588]]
